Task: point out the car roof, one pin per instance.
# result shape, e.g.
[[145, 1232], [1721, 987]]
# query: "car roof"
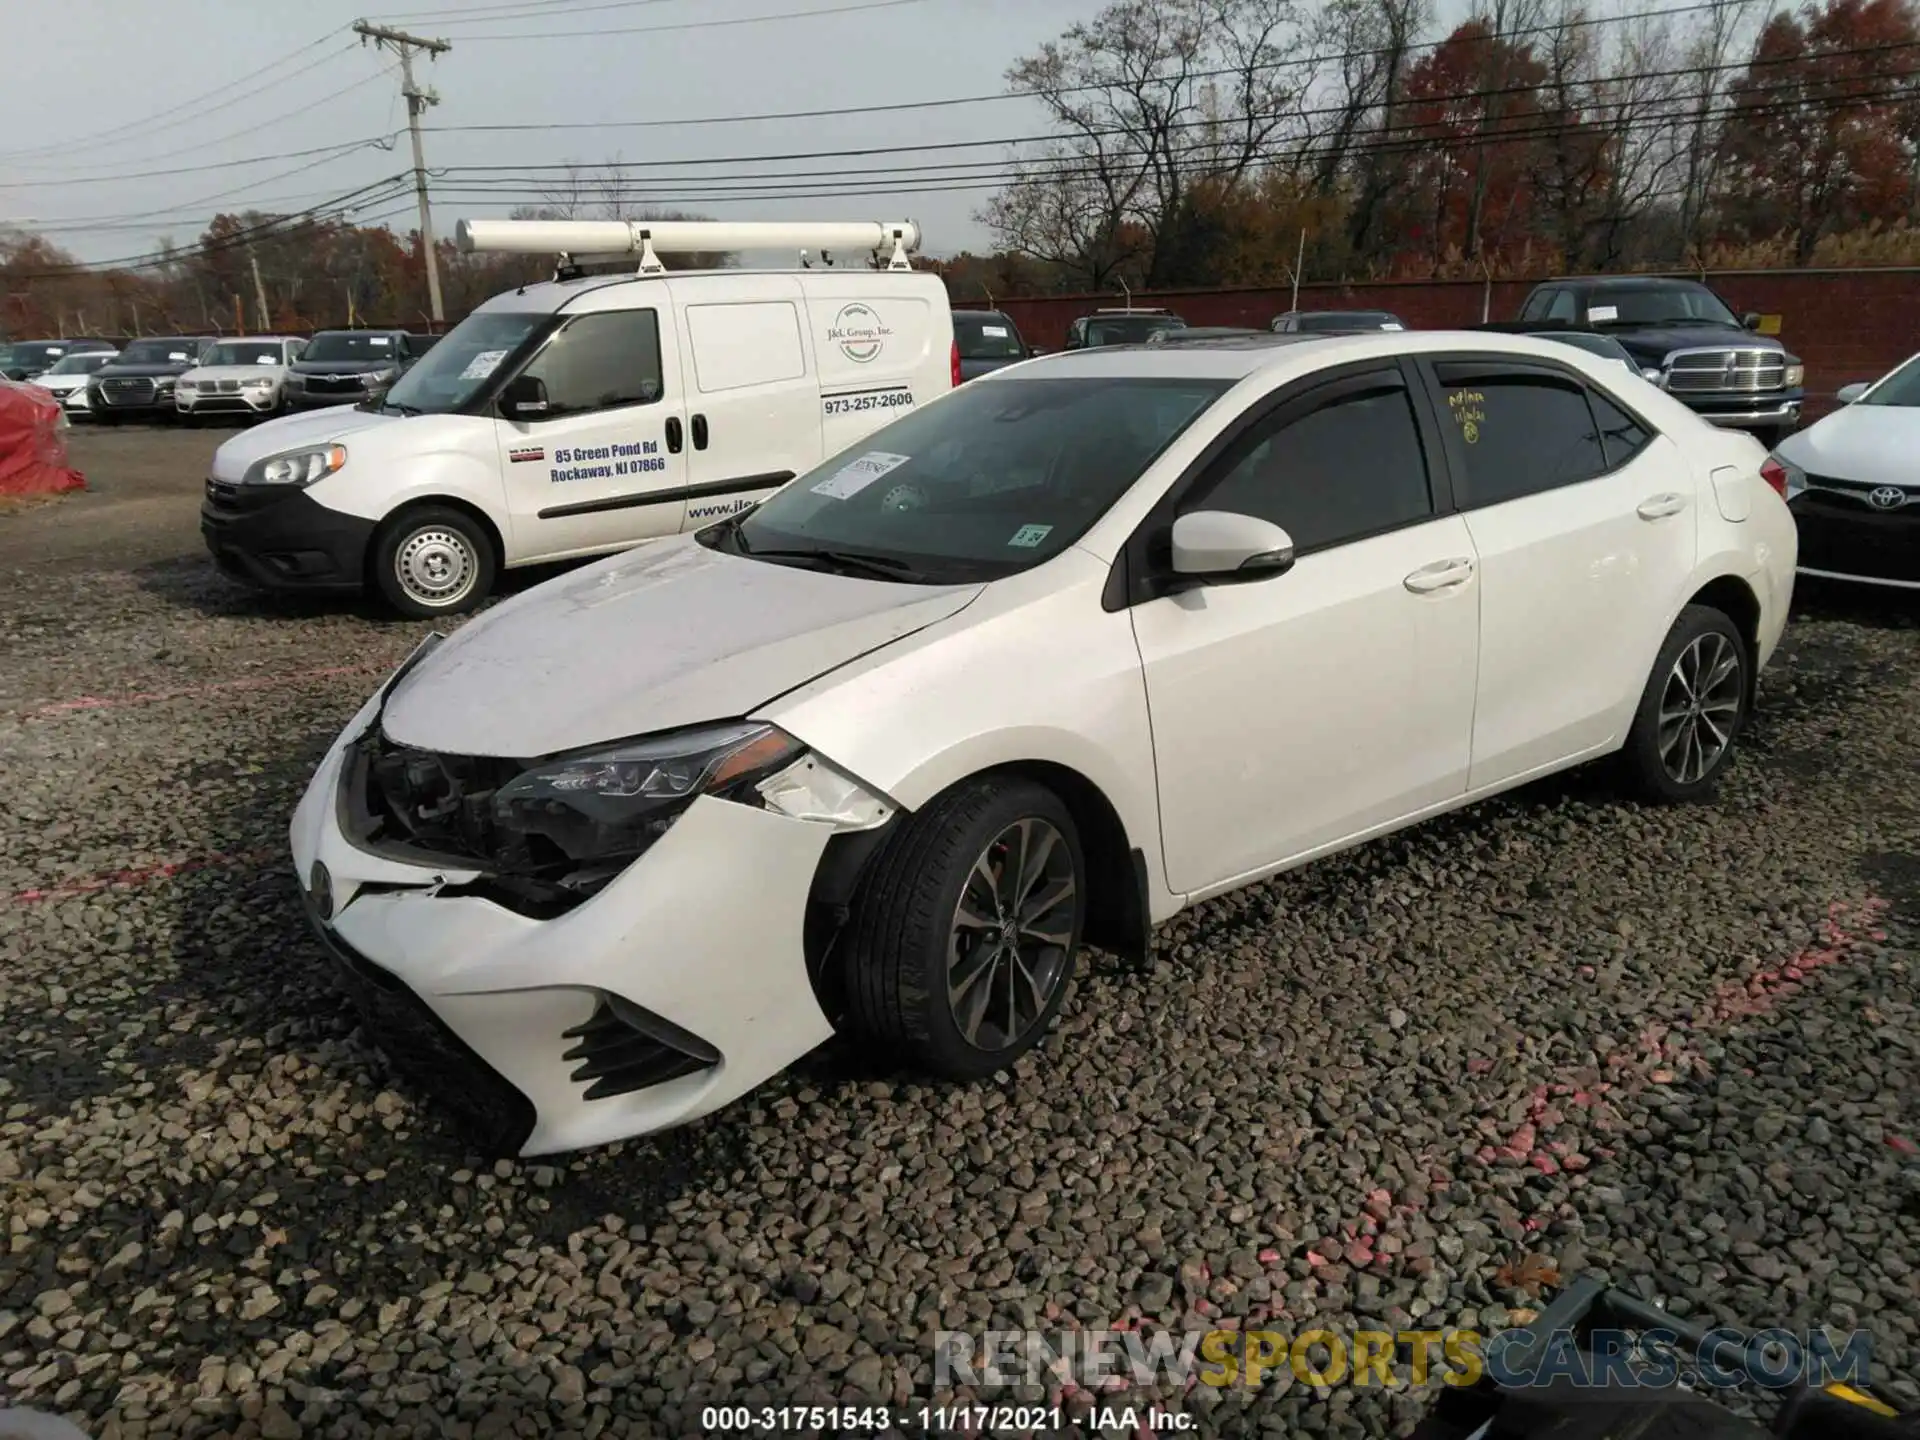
[[256, 339], [1235, 357], [1623, 282]]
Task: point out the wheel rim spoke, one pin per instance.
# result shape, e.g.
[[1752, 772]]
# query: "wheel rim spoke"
[[1699, 708], [1012, 933]]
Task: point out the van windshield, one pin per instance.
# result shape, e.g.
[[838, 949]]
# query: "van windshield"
[[449, 375], [990, 480]]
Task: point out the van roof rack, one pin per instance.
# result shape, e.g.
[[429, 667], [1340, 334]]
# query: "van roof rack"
[[649, 239]]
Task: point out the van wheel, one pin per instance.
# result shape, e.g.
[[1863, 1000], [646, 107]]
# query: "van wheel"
[[1692, 711], [962, 943], [433, 560]]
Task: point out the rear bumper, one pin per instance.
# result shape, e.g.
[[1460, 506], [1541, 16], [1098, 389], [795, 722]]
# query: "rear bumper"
[[286, 543]]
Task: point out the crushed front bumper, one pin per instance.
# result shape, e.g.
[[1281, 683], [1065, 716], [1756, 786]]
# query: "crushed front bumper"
[[672, 992]]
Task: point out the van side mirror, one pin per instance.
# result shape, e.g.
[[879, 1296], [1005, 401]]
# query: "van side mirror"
[[1225, 546], [1751, 320], [1847, 394], [525, 398]]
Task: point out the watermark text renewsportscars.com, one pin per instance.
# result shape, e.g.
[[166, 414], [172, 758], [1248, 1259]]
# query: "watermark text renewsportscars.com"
[[1108, 1360]]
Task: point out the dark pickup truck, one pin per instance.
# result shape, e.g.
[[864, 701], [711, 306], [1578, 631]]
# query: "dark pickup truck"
[[1690, 343]]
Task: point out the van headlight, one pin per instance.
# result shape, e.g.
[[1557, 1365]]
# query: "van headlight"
[[296, 467]]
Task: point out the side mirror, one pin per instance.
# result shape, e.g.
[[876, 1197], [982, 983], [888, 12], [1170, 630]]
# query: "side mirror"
[[1222, 545], [1847, 394], [1751, 320], [525, 398]]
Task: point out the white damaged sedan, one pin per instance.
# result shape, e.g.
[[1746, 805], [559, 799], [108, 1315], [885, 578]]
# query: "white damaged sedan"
[[1092, 639]]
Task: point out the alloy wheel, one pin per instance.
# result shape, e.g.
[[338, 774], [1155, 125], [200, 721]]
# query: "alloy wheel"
[[1012, 932], [1699, 708]]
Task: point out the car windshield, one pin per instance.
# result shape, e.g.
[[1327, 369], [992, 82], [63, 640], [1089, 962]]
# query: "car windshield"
[[158, 352], [986, 482], [454, 370], [246, 352], [1899, 387], [986, 337], [340, 345], [35, 353], [84, 363], [1657, 305], [1128, 329]]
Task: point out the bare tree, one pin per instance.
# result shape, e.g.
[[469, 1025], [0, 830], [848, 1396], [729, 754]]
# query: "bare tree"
[[1156, 103], [1388, 28]]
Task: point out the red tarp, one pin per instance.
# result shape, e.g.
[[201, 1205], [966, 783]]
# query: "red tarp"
[[33, 449]]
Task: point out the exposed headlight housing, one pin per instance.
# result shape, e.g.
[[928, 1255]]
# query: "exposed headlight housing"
[[296, 467]]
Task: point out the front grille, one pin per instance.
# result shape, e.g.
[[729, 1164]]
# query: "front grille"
[[1726, 372], [223, 494], [421, 1046], [623, 1048], [1841, 534], [331, 385], [128, 390], [229, 387]]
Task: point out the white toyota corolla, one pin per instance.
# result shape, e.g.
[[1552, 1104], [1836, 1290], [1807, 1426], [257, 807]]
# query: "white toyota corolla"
[[1091, 639]]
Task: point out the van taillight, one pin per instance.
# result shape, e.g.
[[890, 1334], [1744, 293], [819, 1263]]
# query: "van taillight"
[[956, 364], [1775, 474]]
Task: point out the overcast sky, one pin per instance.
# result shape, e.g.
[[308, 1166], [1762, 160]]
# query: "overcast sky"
[[119, 90]]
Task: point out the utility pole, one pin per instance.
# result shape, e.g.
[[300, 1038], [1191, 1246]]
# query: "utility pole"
[[260, 295], [418, 100]]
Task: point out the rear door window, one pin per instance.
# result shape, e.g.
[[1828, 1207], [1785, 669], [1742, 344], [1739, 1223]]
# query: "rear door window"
[[1518, 432]]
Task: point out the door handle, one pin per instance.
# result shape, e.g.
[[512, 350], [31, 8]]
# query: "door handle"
[[674, 440], [699, 432], [1441, 575], [1658, 507]]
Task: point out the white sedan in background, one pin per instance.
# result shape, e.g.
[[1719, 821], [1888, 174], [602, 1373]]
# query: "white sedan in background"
[[1090, 640], [67, 380], [1852, 486]]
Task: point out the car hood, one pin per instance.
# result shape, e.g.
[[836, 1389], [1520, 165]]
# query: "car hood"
[[171, 367], [1653, 343], [666, 635], [234, 372], [1870, 443], [290, 432], [342, 367], [61, 383]]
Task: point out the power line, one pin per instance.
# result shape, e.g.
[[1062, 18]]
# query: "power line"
[[1292, 62], [383, 142], [694, 24], [522, 10], [114, 222]]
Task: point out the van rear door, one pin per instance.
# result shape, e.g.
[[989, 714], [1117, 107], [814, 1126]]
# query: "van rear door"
[[753, 399]]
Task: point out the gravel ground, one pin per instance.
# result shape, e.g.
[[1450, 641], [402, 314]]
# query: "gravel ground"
[[1676, 1047]]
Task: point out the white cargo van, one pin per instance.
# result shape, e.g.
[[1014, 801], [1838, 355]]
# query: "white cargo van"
[[587, 414]]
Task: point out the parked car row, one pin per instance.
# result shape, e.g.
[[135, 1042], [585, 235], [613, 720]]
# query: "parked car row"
[[194, 376]]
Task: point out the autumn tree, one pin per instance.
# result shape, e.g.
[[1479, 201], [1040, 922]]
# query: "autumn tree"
[[1823, 123]]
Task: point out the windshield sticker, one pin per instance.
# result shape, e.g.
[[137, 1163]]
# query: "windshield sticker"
[[526, 453], [483, 364], [606, 462], [1467, 413], [178, 355], [380, 340], [849, 480], [1028, 536], [1597, 313], [998, 332]]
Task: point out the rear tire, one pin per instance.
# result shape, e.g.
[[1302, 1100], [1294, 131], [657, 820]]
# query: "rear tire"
[[433, 560], [1693, 710], [962, 942]]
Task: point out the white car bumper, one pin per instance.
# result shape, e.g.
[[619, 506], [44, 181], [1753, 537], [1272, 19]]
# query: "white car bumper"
[[704, 931]]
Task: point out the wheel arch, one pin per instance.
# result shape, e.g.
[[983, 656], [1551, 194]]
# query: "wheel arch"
[[440, 500], [1733, 596]]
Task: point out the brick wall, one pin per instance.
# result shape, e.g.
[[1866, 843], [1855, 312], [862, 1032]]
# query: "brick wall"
[[1846, 324]]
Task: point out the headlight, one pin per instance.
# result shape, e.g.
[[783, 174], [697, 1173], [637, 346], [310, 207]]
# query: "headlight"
[[1796, 374], [297, 467], [165, 382], [187, 385], [296, 382], [610, 803], [258, 382], [379, 377]]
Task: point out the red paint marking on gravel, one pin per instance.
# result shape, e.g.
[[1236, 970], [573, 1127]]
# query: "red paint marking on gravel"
[[190, 692], [138, 875]]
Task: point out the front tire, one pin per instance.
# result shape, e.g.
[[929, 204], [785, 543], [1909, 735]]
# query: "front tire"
[[1692, 711], [433, 560], [962, 943]]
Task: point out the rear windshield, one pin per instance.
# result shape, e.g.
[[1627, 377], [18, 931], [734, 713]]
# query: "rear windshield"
[[1128, 329], [986, 338], [342, 346]]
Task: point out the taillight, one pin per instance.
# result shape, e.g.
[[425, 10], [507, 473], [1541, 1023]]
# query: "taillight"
[[956, 364], [1775, 474]]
